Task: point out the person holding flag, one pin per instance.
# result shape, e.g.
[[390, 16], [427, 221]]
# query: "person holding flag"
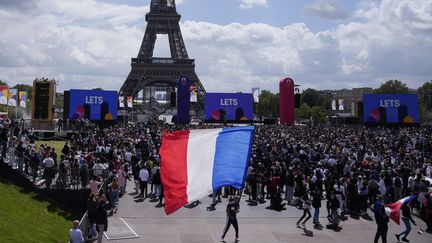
[[196, 163], [381, 220], [407, 219]]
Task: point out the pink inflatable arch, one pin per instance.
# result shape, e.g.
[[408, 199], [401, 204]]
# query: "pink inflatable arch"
[[286, 101]]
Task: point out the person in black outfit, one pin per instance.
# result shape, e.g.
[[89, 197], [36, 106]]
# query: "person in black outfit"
[[333, 205], [381, 220], [232, 209], [316, 204], [101, 219], [407, 219], [306, 211], [91, 208]]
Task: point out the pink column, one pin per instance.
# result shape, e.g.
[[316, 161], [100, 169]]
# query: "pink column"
[[286, 101]]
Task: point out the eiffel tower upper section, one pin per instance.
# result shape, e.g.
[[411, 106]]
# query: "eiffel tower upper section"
[[147, 70]]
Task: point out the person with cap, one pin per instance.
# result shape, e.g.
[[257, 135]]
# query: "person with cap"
[[232, 209], [75, 233]]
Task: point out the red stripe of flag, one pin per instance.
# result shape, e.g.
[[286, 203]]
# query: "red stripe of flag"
[[173, 154]]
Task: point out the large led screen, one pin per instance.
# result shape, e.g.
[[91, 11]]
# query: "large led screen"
[[391, 109], [95, 105], [221, 107]]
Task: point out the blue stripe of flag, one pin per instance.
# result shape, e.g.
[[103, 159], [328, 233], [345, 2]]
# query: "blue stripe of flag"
[[233, 148]]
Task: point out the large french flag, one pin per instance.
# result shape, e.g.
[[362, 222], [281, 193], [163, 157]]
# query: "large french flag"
[[194, 163], [392, 210]]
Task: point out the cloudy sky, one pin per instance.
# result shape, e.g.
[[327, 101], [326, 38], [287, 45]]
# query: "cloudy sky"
[[237, 44]]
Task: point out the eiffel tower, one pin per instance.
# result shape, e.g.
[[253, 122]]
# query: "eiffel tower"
[[152, 71]]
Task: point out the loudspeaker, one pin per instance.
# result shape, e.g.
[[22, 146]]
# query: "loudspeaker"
[[297, 100], [66, 105], [173, 99], [360, 109], [43, 100]]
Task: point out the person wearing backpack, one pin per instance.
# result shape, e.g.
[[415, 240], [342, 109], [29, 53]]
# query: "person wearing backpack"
[[397, 187]]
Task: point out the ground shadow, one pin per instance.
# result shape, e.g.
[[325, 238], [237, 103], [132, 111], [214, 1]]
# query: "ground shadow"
[[276, 209], [367, 217], [160, 205], [308, 233], [193, 205], [253, 203], [334, 227], [139, 200], [318, 227]]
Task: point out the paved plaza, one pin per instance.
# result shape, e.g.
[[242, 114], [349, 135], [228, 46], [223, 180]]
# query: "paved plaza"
[[257, 225]]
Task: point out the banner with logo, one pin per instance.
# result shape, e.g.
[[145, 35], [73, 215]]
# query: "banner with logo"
[[121, 101], [12, 97], [22, 98], [129, 101], [4, 90], [341, 105], [333, 104], [256, 93]]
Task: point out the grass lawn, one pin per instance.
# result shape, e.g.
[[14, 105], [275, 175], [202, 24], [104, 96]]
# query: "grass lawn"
[[58, 145], [24, 217]]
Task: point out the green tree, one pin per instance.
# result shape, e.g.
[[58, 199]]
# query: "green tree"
[[303, 112], [268, 106], [392, 87], [425, 102], [425, 96], [319, 115], [2, 83], [312, 97]]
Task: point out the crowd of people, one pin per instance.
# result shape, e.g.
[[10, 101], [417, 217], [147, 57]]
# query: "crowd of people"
[[350, 167]]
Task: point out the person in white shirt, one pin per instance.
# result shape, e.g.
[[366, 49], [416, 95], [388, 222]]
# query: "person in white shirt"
[[128, 157], [75, 233], [98, 168], [48, 174], [144, 176]]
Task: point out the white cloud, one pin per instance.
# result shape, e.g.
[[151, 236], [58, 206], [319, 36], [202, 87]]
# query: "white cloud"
[[329, 9], [389, 39], [248, 4]]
